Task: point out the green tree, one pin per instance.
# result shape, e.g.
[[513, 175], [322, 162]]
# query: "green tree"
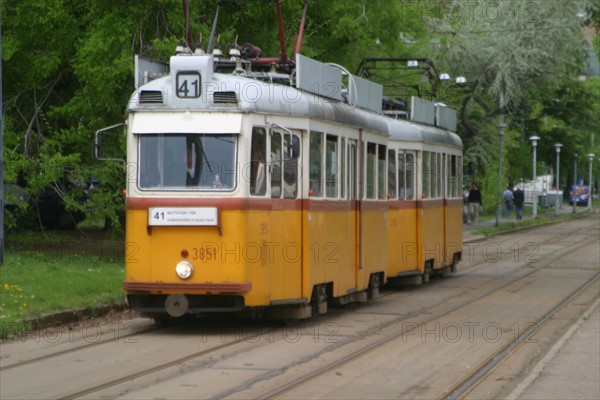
[[68, 70], [525, 51], [73, 73]]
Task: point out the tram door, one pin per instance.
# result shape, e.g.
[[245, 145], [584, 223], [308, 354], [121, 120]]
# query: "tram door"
[[354, 197], [285, 230]]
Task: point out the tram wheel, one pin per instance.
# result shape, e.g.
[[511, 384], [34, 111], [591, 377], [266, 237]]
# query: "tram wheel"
[[455, 261], [374, 285], [427, 271]]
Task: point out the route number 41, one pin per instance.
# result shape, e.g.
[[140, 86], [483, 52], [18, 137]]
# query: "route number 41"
[[188, 85]]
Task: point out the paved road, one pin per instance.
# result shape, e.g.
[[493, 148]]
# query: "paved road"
[[571, 369]]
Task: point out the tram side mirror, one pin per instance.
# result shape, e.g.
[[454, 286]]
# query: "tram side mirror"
[[98, 143]]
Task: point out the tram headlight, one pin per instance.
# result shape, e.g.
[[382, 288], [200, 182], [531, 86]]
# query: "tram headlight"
[[184, 269]]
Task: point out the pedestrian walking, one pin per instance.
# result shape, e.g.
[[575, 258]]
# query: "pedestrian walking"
[[475, 203], [519, 197], [508, 202]]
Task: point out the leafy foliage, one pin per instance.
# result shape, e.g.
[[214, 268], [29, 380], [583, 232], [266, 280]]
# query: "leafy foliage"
[[68, 71], [70, 76], [530, 53], [515, 48]]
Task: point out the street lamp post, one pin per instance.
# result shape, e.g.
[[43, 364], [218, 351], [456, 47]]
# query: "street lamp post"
[[591, 156], [501, 127], [557, 146], [534, 140]]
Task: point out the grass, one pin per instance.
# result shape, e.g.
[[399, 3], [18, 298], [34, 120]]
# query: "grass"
[[526, 223], [107, 245], [44, 274]]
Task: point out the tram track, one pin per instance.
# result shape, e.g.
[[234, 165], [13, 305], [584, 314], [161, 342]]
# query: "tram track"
[[347, 359], [85, 346], [140, 373], [463, 387], [483, 261], [148, 371], [421, 316]]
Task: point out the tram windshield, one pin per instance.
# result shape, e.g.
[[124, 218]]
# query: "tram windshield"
[[187, 162]]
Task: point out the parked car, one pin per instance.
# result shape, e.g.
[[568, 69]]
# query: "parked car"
[[582, 193], [48, 208], [52, 209], [14, 197]]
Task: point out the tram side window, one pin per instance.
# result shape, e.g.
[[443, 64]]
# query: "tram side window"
[[290, 171], [258, 162], [435, 179], [331, 166], [371, 170], [410, 176], [276, 158], [401, 176], [426, 175], [392, 174], [343, 169], [381, 175], [448, 181], [444, 176], [459, 176], [452, 177], [352, 172], [149, 163], [316, 151], [440, 175]]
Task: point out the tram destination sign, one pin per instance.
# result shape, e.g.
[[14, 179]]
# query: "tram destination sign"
[[183, 216]]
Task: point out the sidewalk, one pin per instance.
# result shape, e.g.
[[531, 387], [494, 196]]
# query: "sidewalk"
[[469, 230], [571, 369]]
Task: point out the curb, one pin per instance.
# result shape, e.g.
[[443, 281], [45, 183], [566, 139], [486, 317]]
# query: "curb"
[[525, 228], [474, 239], [72, 316]]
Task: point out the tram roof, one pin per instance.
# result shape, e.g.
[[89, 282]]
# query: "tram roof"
[[231, 93], [412, 132]]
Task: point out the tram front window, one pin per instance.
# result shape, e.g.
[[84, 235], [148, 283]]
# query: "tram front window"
[[192, 161]]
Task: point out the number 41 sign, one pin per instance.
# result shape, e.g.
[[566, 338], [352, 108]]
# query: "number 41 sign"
[[183, 216], [188, 85]]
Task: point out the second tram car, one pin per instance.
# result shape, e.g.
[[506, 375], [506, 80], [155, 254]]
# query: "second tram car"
[[255, 190]]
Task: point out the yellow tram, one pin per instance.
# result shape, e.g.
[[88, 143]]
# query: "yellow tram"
[[261, 190]]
